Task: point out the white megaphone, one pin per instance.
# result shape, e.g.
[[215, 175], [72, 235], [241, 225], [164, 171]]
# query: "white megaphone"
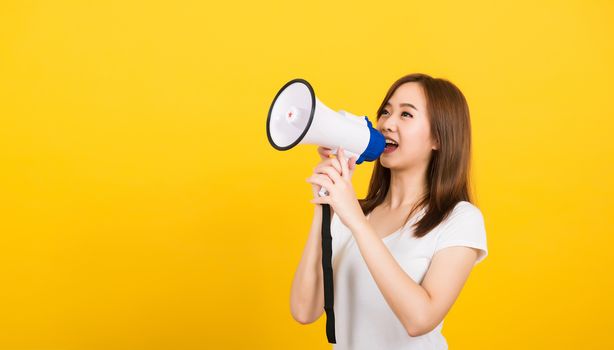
[[297, 117]]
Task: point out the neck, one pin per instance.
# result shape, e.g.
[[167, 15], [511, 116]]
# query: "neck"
[[407, 187]]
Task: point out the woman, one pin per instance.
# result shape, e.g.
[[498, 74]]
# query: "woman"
[[401, 255]]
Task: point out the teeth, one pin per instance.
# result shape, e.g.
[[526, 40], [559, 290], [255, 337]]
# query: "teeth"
[[390, 142]]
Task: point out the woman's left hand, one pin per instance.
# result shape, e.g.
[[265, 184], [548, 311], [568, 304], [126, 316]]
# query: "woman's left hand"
[[341, 196]]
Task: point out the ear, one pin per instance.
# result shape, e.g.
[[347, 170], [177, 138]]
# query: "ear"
[[436, 145]]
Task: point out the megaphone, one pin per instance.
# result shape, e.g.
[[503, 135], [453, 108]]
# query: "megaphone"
[[296, 116]]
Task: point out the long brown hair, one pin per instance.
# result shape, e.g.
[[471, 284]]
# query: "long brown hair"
[[448, 170]]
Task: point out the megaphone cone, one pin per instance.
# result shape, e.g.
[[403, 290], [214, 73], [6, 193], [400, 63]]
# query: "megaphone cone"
[[296, 116]]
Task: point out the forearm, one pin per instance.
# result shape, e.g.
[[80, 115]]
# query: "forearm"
[[307, 291], [407, 299]]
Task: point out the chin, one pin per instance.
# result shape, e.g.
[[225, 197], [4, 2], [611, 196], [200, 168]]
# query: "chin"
[[401, 163], [386, 163]]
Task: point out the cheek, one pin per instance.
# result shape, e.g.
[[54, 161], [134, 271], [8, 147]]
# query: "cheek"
[[416, 141]]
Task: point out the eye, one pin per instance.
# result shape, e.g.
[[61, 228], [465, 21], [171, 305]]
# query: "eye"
[[384, 112], [406, 113]]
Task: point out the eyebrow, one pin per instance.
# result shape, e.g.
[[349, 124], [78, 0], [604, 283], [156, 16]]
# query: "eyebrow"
[[405, 104]]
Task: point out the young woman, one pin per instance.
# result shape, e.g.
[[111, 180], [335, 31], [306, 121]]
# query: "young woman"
[[402, 254]]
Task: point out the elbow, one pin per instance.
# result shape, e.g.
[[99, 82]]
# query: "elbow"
[[416, 330], [421, 322], [303, 322], [303, 317], [299, 318]]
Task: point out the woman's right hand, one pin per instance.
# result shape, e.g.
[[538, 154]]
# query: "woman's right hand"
[[325, 162]]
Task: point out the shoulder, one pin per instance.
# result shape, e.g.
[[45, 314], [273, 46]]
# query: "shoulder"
[[464, 211], [464, 226], [465, 220], [467, 207]]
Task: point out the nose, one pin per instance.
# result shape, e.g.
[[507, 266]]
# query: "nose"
[[387, 123]]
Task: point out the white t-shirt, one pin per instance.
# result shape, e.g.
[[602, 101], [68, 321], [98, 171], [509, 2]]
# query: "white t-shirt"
[[363, 319]]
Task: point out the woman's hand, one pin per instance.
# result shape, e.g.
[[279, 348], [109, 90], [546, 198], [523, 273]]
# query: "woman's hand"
[[324, 154], [335, 175]]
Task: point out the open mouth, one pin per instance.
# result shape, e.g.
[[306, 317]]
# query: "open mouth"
[[391, 146]]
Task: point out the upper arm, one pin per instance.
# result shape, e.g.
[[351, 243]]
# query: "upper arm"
[[460, 246], [449, 269]]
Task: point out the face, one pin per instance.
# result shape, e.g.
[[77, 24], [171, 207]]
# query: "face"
[[405, 120]]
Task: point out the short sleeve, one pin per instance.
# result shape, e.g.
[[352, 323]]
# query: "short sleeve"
[[464, 227]]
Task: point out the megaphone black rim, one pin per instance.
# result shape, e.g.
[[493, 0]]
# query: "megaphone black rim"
[[313, 108]]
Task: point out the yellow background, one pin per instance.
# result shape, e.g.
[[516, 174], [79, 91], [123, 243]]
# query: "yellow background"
[[143, 208]]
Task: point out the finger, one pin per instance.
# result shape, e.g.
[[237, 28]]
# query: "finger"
[[337, 165], [344, 163], [321, 180], [330, 162], [334, 162], [324, 152], [323, 186], [320, 200], [332, 173], [327, 150], [352, 163]]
